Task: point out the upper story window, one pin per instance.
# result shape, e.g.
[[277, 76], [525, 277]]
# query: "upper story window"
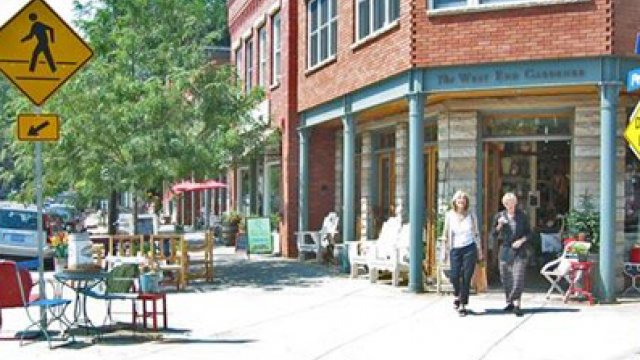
[[323, 30], [449, 4], [276, 40], [374, 15], [262, 56], [248, 80], [238, 55]]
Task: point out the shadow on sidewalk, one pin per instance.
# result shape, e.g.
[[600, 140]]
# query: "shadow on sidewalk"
[[525, 311], [268, 274]]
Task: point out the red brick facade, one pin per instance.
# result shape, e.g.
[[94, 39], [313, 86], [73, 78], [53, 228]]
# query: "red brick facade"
[[578, 29], [243, 15]]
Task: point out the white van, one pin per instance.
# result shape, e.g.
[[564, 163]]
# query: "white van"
[[18, 232]]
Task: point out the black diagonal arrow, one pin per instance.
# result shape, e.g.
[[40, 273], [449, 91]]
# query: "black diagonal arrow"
[[33, 131]]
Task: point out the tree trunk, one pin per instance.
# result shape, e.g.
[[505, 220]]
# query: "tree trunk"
[[135, 214], [113, 212]]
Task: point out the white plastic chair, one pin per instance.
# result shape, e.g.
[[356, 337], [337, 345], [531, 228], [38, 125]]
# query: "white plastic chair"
[[391, 255], [315, 241], [556, 270]]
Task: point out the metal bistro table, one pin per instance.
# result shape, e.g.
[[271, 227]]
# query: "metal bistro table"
[[80, 281]]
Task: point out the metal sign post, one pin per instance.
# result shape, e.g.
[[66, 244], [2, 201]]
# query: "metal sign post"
[[41, 289]]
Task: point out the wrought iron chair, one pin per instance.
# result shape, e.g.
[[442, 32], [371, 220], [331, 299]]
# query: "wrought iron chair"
[[15, 292]]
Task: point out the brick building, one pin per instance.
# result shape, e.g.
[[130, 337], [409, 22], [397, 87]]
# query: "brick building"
[[398, 103]]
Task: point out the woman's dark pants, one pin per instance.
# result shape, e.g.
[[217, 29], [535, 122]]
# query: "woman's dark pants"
[[463, 264]]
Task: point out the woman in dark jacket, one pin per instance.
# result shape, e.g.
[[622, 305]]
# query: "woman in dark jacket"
[[511, 228]]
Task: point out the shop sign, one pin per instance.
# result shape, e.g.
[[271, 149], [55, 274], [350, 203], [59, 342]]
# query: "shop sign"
[[632, 133], [633, 80]]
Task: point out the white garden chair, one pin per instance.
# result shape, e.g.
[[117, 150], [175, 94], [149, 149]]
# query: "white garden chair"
[[391, 255], [316, 241], [362, 252], [556, 270]]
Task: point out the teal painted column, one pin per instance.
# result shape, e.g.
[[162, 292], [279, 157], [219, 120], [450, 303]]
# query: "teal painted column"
[[416, 190], [303, 181], [348, 178], [609, 93]]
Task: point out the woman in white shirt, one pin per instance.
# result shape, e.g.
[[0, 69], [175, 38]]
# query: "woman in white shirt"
[[462, 244]]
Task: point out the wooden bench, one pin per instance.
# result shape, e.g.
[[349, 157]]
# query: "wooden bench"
[[198, 259], [168, 251]]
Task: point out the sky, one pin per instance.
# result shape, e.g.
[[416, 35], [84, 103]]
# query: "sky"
[[64, 8]]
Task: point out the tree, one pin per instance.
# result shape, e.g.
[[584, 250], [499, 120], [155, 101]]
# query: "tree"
[[148, 108]]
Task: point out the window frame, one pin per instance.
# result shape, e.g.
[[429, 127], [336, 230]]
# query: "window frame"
[[238, 63], [494, 4], [249, 68], [371, 8], [262, 56], [330, 25], [276, 48]]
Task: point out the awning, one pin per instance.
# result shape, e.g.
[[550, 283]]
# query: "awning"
[[195, 186]]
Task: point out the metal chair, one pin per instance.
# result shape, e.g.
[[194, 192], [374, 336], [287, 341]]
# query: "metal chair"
[[632, 270], [15, 292], [119, 285]]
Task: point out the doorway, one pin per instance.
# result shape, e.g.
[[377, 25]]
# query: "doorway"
[[537, 172]]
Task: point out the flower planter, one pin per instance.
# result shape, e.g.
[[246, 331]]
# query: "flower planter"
[[150, 283], [228, 233], [59, 264]]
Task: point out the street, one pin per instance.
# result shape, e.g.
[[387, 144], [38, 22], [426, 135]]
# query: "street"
[[271, 308]]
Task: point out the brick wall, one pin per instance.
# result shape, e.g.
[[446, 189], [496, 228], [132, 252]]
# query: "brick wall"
[[354, 68], [282, 97], [542, 32], [626, 22], [321, 175]]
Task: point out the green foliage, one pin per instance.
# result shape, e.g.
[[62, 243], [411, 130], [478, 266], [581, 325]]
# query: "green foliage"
[[274, 219], [232, 217], [147, 109], [443, 207], [585, 219]]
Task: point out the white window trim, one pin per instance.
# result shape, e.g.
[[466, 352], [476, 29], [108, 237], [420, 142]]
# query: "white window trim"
[[321, 64], [385, 27], [249, 65], [475, 6], [376, 34], [262, 57], [330, 56], [275, 78]]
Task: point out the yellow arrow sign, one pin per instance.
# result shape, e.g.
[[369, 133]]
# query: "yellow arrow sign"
[[39, 51], [43, 127], [632, 133]]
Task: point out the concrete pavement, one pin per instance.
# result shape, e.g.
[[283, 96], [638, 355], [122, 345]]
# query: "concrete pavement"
[[270, 308]]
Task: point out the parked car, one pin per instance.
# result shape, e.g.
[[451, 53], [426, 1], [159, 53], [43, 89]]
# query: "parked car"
[[19, 230], [63, 217]]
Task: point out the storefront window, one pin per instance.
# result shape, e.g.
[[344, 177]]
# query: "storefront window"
[[527, 125]]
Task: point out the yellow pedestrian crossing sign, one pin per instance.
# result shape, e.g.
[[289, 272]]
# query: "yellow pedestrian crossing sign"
[[39, 51], [43, 127], [632, 133]]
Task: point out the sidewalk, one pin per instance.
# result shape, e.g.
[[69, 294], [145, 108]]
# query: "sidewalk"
[[270, 308]]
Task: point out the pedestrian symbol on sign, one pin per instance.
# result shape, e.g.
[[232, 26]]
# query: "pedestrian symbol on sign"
[[40, 30], [39, 51]]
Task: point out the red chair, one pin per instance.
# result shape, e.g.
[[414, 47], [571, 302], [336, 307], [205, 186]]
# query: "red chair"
[[15, 292]]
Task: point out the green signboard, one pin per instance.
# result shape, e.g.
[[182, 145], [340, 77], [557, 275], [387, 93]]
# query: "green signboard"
[[259, 234]]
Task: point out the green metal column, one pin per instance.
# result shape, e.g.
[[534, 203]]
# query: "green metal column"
[[416, 190], [349, 179], [303, 196], [609, 92]]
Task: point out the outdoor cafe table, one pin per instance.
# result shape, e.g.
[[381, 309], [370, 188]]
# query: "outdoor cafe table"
[[80, 282]]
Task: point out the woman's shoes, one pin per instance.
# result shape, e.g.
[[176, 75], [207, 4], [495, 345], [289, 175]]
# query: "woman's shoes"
[[517, 311], [456, 304], [509, 308], [463, 312]]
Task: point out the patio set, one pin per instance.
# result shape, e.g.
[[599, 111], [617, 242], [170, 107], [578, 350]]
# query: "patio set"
[[125, 268]]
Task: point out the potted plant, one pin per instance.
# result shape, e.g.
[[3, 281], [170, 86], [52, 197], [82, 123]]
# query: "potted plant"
[[583, 222], [60, 245], [229, 228], [580, 249], [149, 278]]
